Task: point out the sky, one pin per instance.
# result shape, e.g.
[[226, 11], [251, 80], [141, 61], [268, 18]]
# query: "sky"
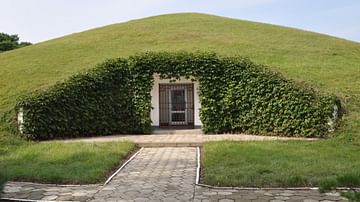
[[41, 20]]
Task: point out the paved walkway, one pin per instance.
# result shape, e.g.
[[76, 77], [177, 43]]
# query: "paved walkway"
[[161, 174], [49, 192], [181, 138], [158, 174], [203, 194]]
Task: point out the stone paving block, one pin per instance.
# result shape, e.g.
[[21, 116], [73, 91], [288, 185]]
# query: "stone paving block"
[[226, 200], [158, 172], [310, 200]]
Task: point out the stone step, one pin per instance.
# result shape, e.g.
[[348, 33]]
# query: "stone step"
[[196, 131], [170, 144]]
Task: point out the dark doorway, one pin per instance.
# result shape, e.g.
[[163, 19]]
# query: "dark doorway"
[[176, 103]]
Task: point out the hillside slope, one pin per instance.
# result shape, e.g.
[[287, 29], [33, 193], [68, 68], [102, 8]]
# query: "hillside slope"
[[328, 63]]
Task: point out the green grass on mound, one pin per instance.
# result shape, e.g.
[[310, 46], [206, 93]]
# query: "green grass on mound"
[[280, 164], [330, 64]]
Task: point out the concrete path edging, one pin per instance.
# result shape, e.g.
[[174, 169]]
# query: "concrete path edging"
[[122, 166], [198, 166], [23, 200]]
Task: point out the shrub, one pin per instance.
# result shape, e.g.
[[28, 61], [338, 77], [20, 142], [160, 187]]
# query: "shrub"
[[98, 102], [236, 95]]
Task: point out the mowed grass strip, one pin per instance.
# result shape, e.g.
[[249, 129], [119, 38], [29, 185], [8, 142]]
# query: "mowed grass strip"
[[278, 164], [68, 163]]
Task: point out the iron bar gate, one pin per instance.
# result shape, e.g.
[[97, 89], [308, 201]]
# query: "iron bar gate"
[[176, 103]]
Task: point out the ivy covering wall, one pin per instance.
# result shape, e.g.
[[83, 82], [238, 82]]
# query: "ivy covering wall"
[[236, 95], [98, 102]]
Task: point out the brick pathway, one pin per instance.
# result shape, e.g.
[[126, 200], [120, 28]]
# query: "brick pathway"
[[203, 194], [158, 174], [48, 192]]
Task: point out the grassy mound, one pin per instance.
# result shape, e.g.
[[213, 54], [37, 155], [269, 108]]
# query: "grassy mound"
[[330, 64]]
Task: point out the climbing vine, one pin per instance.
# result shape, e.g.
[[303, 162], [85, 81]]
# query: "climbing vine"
[[236, 95]]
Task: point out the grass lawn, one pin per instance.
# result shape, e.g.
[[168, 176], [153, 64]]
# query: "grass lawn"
[[55, 162], [279, 164]]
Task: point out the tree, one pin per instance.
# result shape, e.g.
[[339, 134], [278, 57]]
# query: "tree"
[[10, 42]]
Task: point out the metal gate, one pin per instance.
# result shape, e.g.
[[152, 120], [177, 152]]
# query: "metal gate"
[[176, 103]]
